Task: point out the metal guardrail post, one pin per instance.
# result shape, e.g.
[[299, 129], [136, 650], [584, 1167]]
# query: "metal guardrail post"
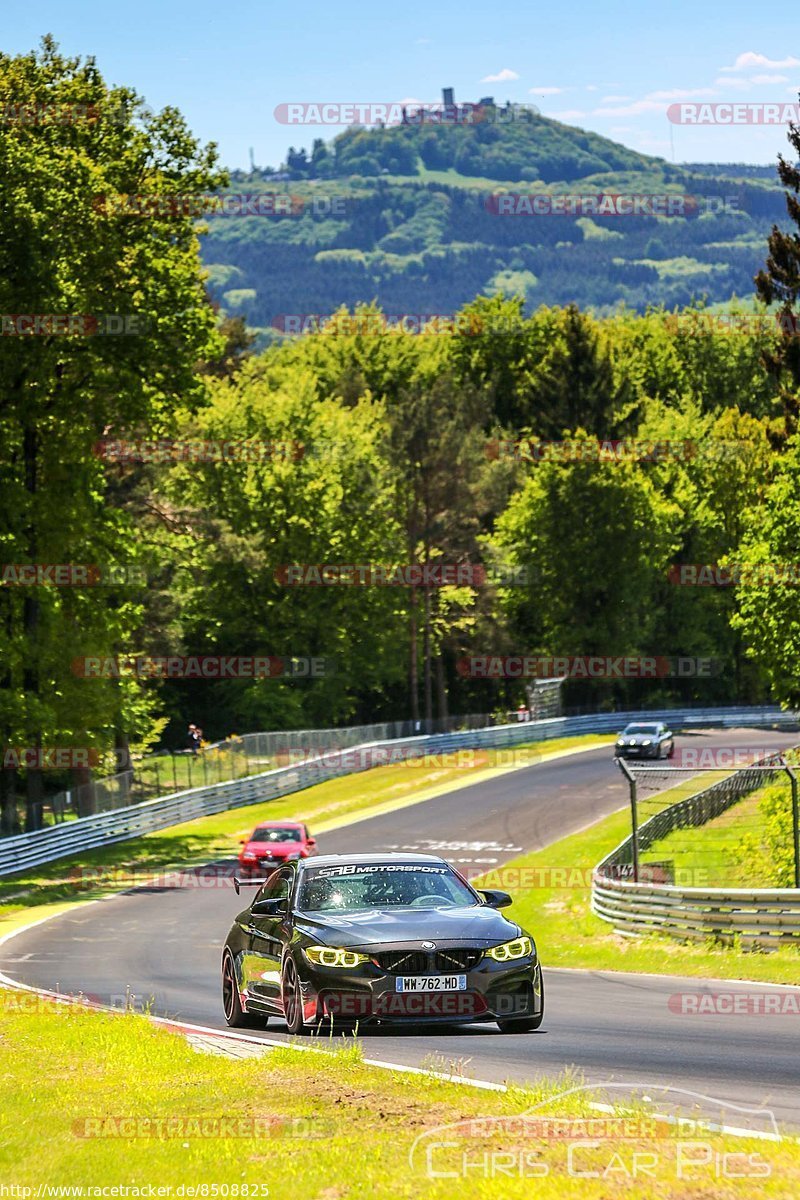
[[795, 825], [631, 778]]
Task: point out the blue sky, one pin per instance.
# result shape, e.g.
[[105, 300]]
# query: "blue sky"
[[613, 68]]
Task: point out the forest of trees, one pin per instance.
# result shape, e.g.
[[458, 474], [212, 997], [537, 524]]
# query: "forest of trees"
[[362, 443]]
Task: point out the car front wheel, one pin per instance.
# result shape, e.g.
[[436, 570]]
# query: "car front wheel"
[[292, 998]]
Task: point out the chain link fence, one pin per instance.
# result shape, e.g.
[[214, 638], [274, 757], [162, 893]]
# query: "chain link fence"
[[726, 824], [167, 772]]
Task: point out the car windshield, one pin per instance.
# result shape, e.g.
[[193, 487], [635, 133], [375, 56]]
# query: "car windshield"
[[267, 834], [648, 729], [350, 887]]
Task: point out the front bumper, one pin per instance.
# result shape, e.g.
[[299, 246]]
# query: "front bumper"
[[263, 862], [637, 751], [368, 994]]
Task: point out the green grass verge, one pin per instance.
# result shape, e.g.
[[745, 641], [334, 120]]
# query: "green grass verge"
[[323, 806], [552, 899], [94, 1100], [705, 856]]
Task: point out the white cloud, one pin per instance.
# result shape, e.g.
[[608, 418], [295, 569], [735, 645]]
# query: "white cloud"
[[652, 102], [751, 59], [769, 79], [592, 87], [725, 82], [681, 93], [793, 89], [615, 99], [504, 76], [545, 91]]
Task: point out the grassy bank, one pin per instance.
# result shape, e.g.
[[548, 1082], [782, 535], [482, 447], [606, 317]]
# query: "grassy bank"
[[127, 1103]]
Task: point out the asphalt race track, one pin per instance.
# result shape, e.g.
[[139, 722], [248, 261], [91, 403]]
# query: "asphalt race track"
[[164, 943]]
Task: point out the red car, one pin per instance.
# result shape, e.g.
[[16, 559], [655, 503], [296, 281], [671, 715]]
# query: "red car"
[[274, 843]]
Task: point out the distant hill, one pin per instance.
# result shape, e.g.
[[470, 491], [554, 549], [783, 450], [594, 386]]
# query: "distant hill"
[[410, 216]]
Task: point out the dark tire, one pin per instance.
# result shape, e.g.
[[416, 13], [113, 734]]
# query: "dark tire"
[[235, 1016], [292, 998], [671, 750]]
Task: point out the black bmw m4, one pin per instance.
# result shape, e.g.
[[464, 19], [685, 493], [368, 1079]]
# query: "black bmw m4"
[[389, 939]]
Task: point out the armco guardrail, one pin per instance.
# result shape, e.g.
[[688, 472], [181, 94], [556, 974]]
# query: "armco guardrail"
[[766, 916], [32, 849]]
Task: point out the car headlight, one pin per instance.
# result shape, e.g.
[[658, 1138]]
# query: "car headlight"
[[521, 947], [620, 742], [330, 956], [646, 742]]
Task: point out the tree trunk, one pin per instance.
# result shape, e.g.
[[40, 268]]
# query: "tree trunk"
[[30, 625], [413, 673], [122, 752], [83, 797], [34, 795], [441, 687], [9, 815], [427, 654]]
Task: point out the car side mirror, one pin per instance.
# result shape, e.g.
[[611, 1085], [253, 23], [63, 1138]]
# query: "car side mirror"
[[496, 899], [276, 907]]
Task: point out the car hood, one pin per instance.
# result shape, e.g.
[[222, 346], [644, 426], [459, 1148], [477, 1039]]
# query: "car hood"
[[474, 926]]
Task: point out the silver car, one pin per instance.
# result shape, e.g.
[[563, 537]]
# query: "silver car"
[[651, 739]]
